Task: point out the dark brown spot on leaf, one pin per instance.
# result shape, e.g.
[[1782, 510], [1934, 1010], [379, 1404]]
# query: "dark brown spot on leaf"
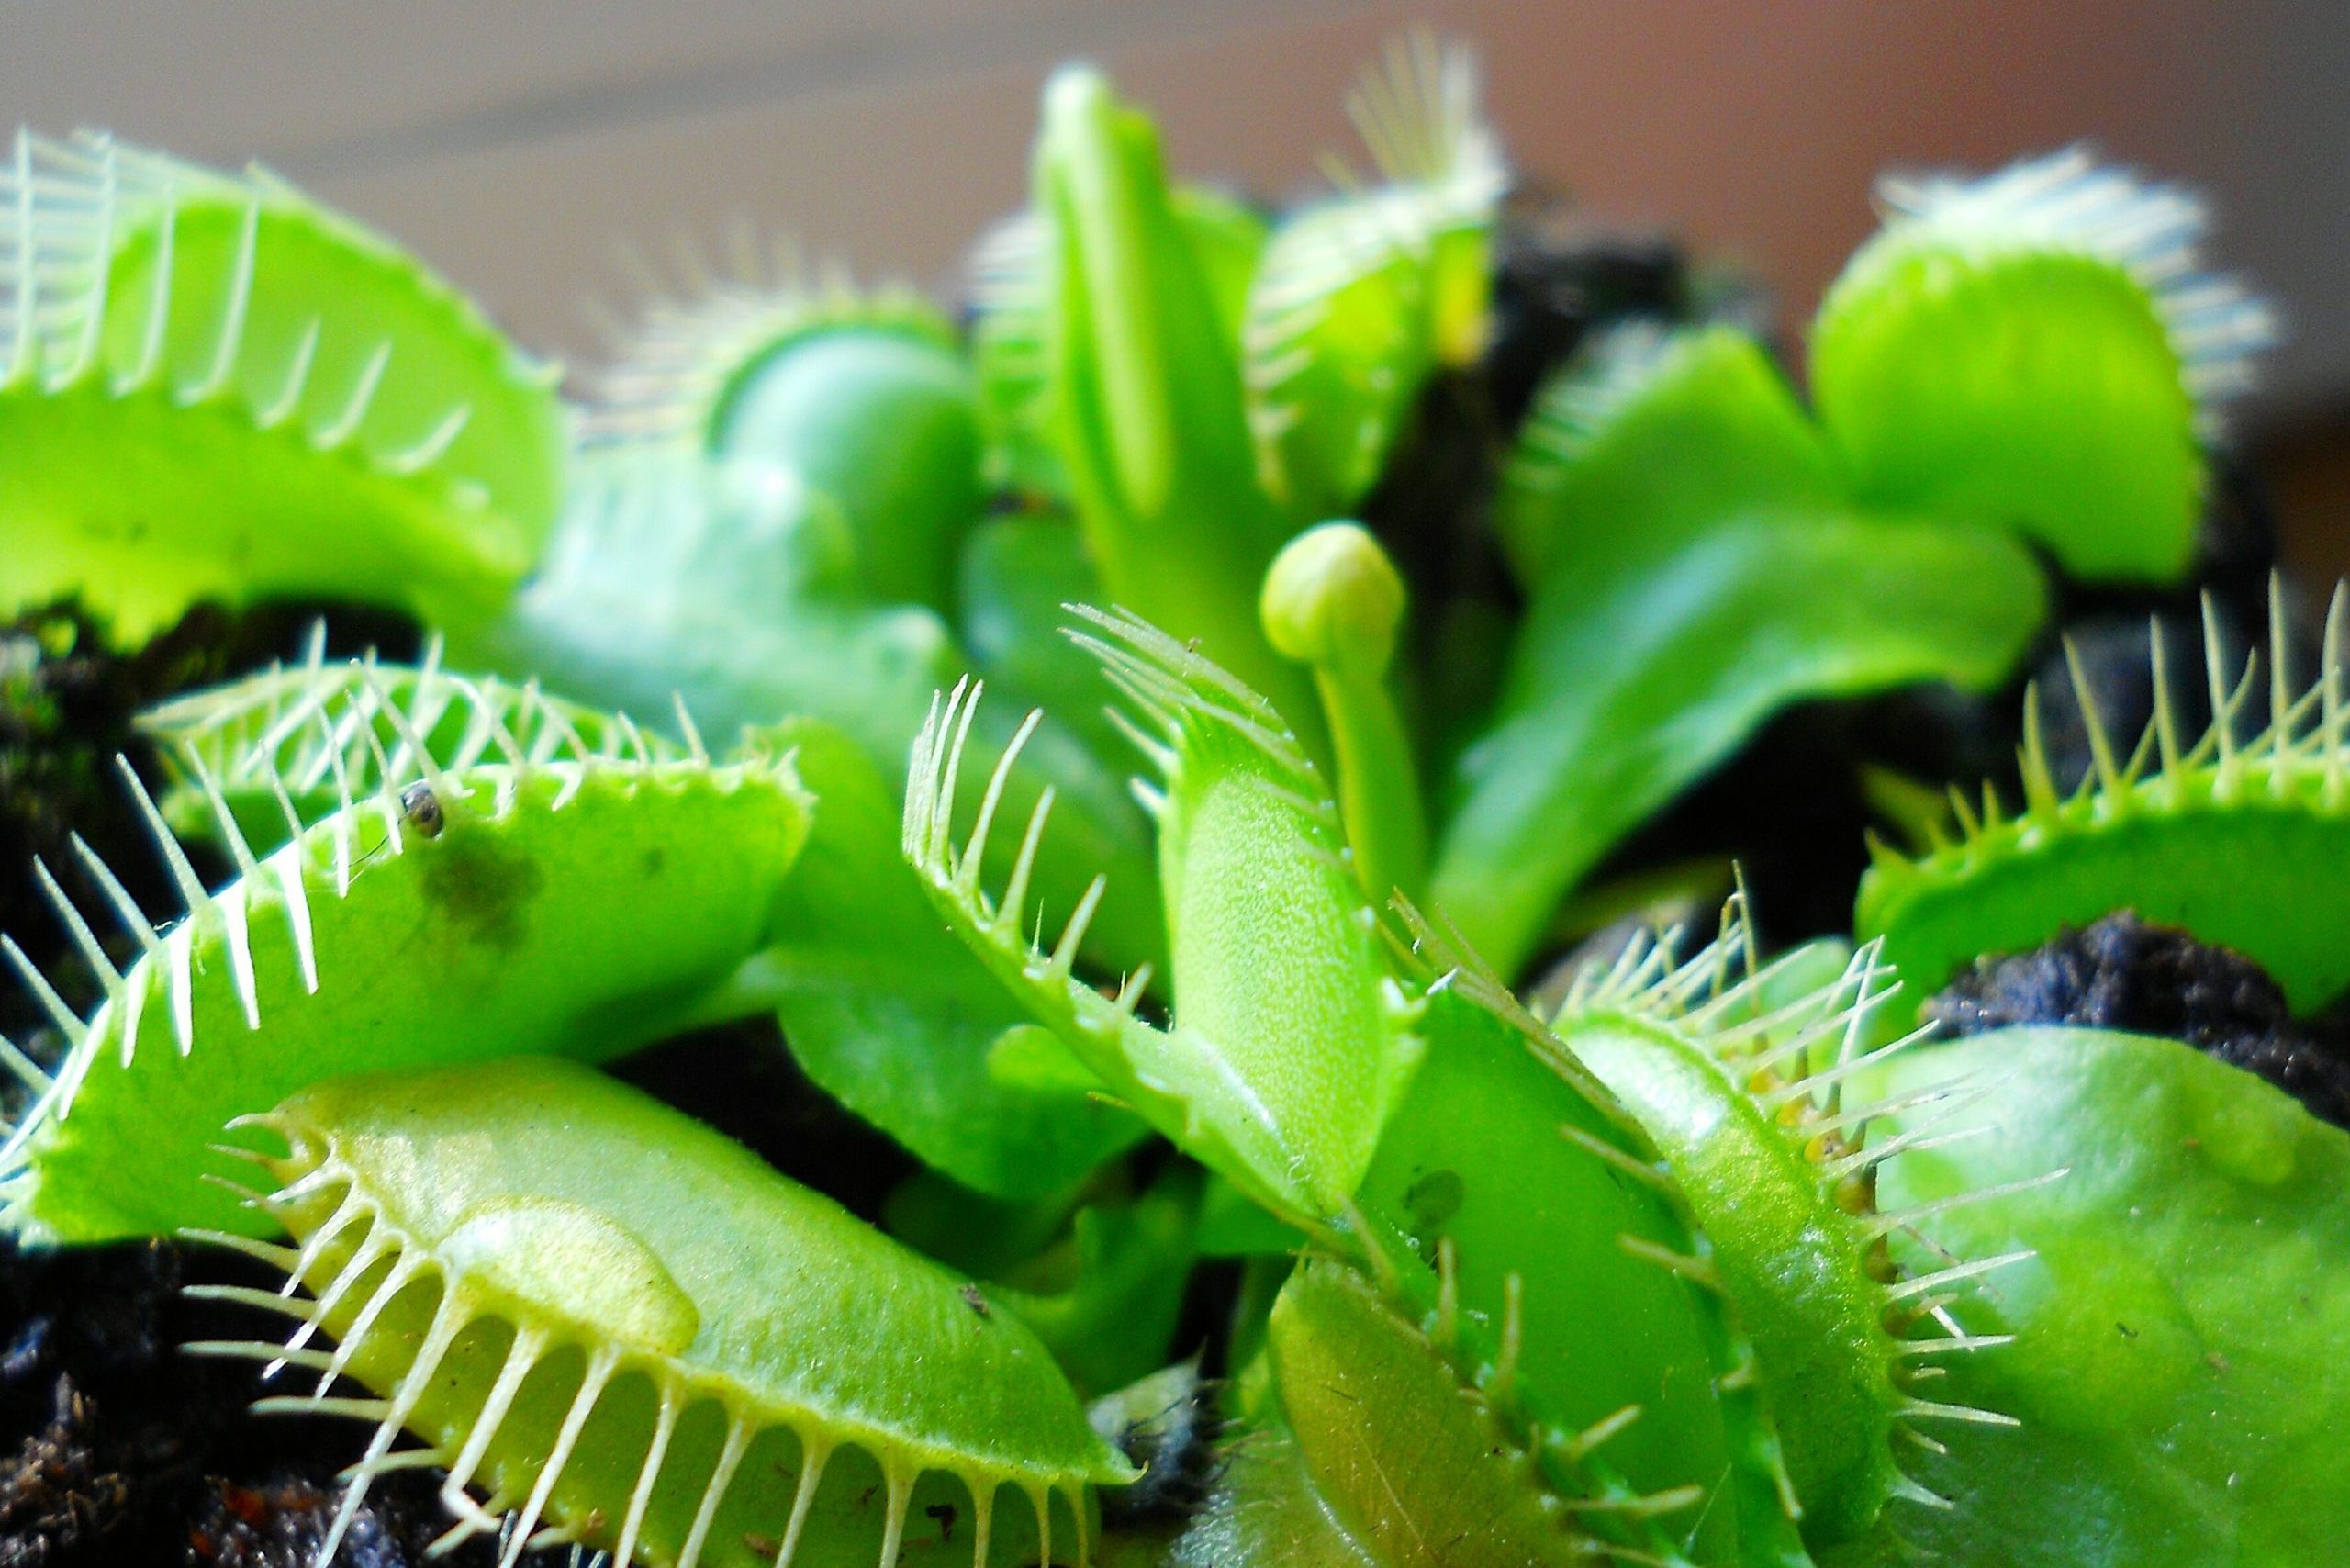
[[481, 887]]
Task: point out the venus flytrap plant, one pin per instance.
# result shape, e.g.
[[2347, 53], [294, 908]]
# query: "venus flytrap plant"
[[737, 585], [1339, 1350], [1145, 409], [1521, 1221], [892, 1016], [317, 413], [1704, 1262], [1333, 602], [1722, 1088], [1289, 1101], [1951, 415], [2042, 349], [1776, 1168], [896, 1021], [1360, 297], [608, 1317], [2166, 829], [1281, 1098], [864, 395], [2174, 1365], [1226, 239], [1475, 1363], [1671, 611], [312, 729], [1697, 1060], [557, 899]]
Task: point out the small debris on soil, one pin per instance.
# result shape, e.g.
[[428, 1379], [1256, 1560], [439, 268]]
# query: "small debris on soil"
[[279, 1523], [2125, 973], [56, 1498]]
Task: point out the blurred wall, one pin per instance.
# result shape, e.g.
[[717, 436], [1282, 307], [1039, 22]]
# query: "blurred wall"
[[515, 144]]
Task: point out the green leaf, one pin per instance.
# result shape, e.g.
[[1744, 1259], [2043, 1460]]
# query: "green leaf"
[[1647, 438], [1627, 684], [1145, 409], [1275, 955], [1228, 236], [1413, 1465], [1106, 1298], [311, 412], [1263, 1511], [864, 395], [1694, 569], [659, 1342], [1012, 287], [2166, 829], [1476, 1160], [897, 1020], [1362, 296], [1233, 1226], [2038, 350], [1020, 575], [732, 588], [518, 903], [1289, 1039], [1721, 1064], [2176, 1368]]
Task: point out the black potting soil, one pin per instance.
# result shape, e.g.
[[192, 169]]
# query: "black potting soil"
[[124, 1450], [2121, 972]]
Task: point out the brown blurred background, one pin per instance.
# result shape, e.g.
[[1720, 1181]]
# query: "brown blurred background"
[[515, 145]]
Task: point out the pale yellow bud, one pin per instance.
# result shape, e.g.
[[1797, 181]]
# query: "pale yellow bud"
[[1333, 600]]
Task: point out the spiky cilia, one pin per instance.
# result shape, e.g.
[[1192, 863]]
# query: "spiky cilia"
[[315, 412], [2172, 1365], [629, 1331], [1273, 1094], [552, 898], [1744, 1094], [2032, 356], [863, 394], [1260, 902], [2166, 829], [1360, 297]]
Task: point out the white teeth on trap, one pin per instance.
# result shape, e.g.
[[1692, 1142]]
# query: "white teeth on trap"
[[2067, 200], [2302, 752], [362, 734]]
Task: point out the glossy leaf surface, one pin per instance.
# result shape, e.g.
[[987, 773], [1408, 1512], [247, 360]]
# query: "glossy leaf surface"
[[313, 411], [2176, 1366]]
